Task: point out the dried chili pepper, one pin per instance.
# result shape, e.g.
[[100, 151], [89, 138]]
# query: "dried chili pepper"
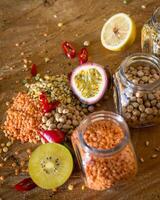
[[25, 185], [56, 135], [34, 70], [69, 50], [50, 106], [46, 106], [43, 98], [83, 56]]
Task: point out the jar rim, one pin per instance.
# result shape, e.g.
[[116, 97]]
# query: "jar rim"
[[155, 21], [102, 115], [143, 57]]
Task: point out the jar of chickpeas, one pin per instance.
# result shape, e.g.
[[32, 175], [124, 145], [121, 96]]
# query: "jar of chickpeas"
[[137, 90], [104, 150]]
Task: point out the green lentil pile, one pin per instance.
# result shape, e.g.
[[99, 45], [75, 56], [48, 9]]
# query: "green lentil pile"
[[68, 115], [57, 88]]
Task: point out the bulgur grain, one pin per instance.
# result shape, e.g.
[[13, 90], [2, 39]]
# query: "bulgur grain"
[[70, 187], [83, 187], [141, 160], [2, 178], [147, 143], [1, 164], [157, 149], [154, 156]]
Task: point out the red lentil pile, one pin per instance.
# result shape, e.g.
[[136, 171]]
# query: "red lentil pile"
[[103, 135], [23, 119], [103, 171]]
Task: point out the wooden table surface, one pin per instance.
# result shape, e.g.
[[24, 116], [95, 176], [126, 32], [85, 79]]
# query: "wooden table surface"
[[33, 25]]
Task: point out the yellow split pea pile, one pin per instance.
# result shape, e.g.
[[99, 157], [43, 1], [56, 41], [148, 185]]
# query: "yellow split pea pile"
[[23, 119]]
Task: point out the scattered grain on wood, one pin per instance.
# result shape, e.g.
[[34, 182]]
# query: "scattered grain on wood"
[[1, 164], [29, 151], [154, 156], [16, 172], [60, 24], [16, 152], [86, 43], [142, 160], [14, 164], [70, 187], [83, 187], [157, 149], [17, 44], [147, 143], [2, 144], [143, 6], [2, 178]]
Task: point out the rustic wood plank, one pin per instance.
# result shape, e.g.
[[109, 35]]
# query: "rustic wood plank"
[[27, 21]]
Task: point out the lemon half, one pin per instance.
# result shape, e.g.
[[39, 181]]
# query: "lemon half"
[[118, 32]]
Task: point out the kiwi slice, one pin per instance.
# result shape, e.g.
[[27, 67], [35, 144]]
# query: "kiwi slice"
[[50, 165]]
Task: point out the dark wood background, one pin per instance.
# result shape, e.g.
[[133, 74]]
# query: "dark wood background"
[[34, 26]]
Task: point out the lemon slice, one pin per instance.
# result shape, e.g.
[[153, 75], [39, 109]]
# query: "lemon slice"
[[118, 32]]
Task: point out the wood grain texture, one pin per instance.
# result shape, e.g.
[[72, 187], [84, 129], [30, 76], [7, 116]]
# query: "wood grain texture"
[[27, 21]]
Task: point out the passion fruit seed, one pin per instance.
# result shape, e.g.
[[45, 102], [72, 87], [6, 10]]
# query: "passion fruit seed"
[[88, 82]]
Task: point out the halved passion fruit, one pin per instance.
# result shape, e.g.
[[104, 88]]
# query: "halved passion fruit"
[[89, 82]]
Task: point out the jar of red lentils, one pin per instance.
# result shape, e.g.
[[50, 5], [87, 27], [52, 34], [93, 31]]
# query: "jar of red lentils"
[[137, 90], [104, 150]]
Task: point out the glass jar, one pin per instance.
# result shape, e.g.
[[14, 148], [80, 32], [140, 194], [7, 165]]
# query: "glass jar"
[[104, 168], [137, 90], [150, 36]]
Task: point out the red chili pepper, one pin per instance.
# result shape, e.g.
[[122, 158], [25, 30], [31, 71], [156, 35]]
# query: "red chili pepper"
[[34, 70], [56, 135], [46, 106], [43, 98], [50, 106], [25, 185], [69, 50], [83, 56]]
